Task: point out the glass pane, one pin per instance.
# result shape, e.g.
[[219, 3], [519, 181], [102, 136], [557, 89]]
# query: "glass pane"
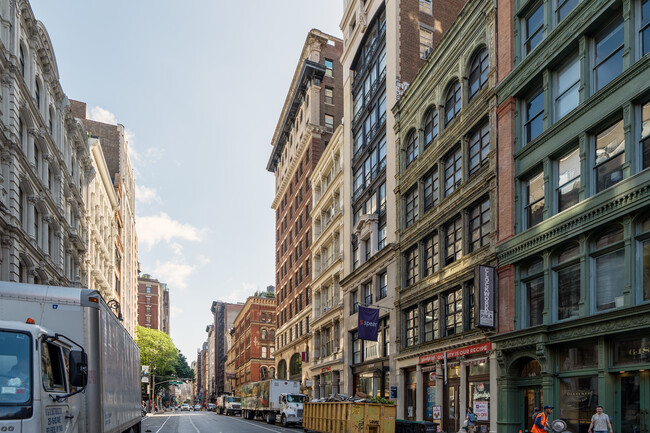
[[570, 253], [535, 301], [610, 40], [610, 279], [564, 7], [631, 404], [568, 292], [609, 69], [646, 270], [579, 397], [535, 190], [609, 238], [610, 173], [15, 371], [578, 356], [569, 195], [568, 75], [568, 101]]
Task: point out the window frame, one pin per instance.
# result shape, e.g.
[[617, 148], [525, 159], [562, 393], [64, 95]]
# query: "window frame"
[[480, 147], [483, 236], [558, 97], [431, 199], [559, 186], [411, 331], [411, 271], [412, 147], [453, 171], [527, 217], [609, 29], [411, 208], [559, 4], [596, 253], [453, 102], [431, 126], [620, 123], [527, 37], [478, 71], [642, 28], [426, 44], [562, 266], [529, 117], [456, 236], [525, 279]]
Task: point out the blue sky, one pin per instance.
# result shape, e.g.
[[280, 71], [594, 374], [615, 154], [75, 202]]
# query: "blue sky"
[[199, 85]]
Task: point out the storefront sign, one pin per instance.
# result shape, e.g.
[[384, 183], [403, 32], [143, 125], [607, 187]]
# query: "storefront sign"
[[368, 322], [481, 410], [485, 313], [436, 412], [325, 369], [428, 369], [469, 350], [636, 351], [393, 392]]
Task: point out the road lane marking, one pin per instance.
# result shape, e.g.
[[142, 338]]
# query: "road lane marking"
[[260, 426], [163, 424], [192, 422]]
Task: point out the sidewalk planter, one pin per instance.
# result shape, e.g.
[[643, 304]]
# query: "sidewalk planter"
[[347, 417]]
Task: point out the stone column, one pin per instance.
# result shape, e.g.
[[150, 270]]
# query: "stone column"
[[419, 394]]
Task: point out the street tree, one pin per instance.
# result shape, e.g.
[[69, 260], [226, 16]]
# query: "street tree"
[[157, 350]]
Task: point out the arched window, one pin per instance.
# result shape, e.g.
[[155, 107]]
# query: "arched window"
[[264, 373], [478, 72], [608, 259], [452, 102], [37, 218], [37, 93], [22, 60], [271, 373], [532, 278], [295, 365], [272, 335], [282, 369], [264, 335], [22, 272], [531, 369], [411, 147], [430, 126], [263, 317]]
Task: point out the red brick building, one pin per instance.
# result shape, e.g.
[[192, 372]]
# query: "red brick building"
[[153, 304], [254, 342]]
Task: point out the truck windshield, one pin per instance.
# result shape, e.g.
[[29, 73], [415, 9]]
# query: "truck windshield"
[[234, 400], [293, 398], [15, 371]]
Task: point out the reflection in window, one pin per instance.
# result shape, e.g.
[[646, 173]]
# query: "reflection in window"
[[479, 225], [430, 126], [411, 265], [431, 255], [568, 283], [534, 200], [533, 285], [610, 156], [645, 133], [411, 325], [452, 102], [645, 27], [568, 88], [568, 181], [609, 270], [453, 241], [563, 7], [431, 320], [534, 116], [479, 147], [478, 72], [608, 54], [533, 25], [454, 312], [453, 170], [579, 397]]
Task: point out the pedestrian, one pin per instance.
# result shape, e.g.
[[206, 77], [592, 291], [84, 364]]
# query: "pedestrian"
[[541, 420], [535, 412], [471, 420], [600, 422]]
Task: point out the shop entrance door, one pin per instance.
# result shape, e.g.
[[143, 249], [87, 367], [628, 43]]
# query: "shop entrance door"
[[452, 411], [633, 402], [411, 407], [533, 398]]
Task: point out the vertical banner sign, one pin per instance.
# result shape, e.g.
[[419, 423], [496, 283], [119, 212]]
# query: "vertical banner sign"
[[485, 295], [368, 321], [444, 365]]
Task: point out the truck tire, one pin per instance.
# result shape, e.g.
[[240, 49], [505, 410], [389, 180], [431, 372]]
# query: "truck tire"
[[270, 418], [283, 420]]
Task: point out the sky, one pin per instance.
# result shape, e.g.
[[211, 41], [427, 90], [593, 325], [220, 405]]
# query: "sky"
[[199, 86]]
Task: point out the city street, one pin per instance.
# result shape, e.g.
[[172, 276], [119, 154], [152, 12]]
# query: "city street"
[[204, 422]]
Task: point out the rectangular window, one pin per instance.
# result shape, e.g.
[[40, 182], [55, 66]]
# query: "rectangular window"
[[411, 319], [479, 225], [426, 6], [534, 200], [533, 26], [52, 368], [608, 54], [610, 156], [329, 68], [329, 122], [645, 132], [431, 189], [367, 294], [355, 257], [329, 95], [426, 42], [453, 241], [431, 320], [563, 7], [534, 116], [645, 27], [264, 354], [567, 93], [568, 180], [381, 243], [453, 170], [431, 254], [479, 147], [382, 198], [383, 286], [454, 312], [610, 275], [356, 348], [411, 266], [354, 301], [411, 206], [568, 292]]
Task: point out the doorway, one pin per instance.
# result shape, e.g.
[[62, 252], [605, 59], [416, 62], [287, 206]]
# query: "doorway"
[[533, 398], [633, 405], [452, 412]]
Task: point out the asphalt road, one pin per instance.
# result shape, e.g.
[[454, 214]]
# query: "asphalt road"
[[204, 422]]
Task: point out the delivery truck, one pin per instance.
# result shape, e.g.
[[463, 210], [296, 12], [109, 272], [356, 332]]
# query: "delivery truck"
[[228, 405], [66, 363], [273, 398]]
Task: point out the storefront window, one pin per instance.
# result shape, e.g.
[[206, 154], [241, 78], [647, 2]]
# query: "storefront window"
[[635, 351], [327, 383], [370, 384], [430, 400], [479, 393], [453, 371], [579, 397], [578, 357], [480, 369]]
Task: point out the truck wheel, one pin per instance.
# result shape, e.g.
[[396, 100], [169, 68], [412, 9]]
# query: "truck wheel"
[[270, 418], [284, 421]]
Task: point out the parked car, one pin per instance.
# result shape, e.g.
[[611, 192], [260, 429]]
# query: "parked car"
[[197, 407], [185, 407], [212, 407]]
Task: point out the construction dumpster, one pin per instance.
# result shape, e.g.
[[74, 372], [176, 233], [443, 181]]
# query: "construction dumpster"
[[348, 417]]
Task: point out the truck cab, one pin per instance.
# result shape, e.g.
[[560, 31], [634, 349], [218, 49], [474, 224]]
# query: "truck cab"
[[40, 375], [291, 408]]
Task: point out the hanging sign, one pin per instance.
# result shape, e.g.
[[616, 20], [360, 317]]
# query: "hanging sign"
[[485, 295], [368, 321]]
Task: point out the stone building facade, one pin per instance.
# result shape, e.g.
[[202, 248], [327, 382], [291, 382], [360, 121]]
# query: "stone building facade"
[[254, 342], [224, 315], [311, 112], [573, 122], [45, 163], [446, 195], [327, 359], [385, 44]]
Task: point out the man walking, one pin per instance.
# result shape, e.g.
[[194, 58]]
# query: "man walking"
[[541, 420], [600, 422]]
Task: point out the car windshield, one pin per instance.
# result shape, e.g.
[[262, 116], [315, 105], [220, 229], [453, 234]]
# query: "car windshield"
[[296, 398], [15, 372], [234, 400]]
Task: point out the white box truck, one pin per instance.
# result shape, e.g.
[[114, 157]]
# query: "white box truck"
[[66, 363], [228, 405], [272, 398]]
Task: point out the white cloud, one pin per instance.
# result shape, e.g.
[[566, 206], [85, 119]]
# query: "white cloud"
[[144, 194], [174, 273], [100, 114], [177, 249], [175, 311], [161, 228], [203, 260]]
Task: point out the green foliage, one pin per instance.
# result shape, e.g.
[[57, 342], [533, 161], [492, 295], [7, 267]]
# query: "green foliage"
[[264, 294], [182, 368], [157, 351], [380, 400]]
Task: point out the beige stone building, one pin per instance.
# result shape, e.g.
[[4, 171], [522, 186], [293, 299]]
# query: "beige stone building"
[[327, 360]]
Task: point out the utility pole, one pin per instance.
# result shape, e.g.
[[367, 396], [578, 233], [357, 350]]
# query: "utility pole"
[[153, 388]]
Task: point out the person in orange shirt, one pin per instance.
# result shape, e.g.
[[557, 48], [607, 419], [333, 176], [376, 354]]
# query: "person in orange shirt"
[[541, 421]]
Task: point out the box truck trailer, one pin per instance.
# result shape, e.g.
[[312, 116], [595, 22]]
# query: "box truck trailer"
[[273, 398]]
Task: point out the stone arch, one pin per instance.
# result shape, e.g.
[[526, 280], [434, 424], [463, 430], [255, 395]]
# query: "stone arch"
[[282, 369], [295, 366]]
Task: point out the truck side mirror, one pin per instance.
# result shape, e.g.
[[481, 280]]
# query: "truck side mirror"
[[78, 362]]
